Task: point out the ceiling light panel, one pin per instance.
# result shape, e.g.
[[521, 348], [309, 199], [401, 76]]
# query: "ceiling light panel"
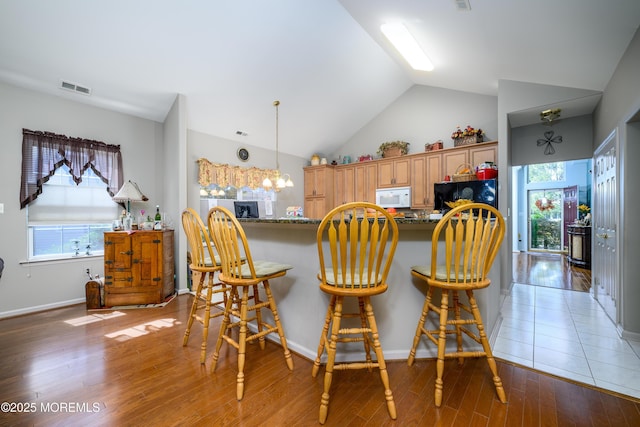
[[408, 47]]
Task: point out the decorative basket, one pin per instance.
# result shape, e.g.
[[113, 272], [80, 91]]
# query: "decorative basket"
[[461, 174], [432, 147], [392, 152], [467, 140]]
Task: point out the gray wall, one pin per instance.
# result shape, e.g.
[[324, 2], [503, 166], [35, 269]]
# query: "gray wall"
[[49, 284], [577, 138], [220, 150]]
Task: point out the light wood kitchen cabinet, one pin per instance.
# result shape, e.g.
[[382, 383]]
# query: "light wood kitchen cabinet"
[[483, 153], [471, 155], [366, 182], [426, 170], [452, 160], [345, 184], [395, 172], [318, 191], [356, 182], [138, 268]]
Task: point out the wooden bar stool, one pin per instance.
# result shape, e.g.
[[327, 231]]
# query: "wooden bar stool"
[[362, 238], [472, 233], [204, 265], [240, 271]]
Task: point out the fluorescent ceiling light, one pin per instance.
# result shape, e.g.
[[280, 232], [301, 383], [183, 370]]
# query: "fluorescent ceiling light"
[[408, 47]]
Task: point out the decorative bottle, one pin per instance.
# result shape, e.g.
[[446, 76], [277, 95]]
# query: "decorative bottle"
[[157, 223]]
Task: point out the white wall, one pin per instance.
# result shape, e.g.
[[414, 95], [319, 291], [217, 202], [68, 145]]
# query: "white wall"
[[620, 109], [50, 284], [423, 115]]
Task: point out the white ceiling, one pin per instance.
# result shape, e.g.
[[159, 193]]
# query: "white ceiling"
[[325, 60]]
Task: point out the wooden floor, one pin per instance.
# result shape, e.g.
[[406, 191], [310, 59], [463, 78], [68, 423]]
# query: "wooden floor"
[[69, 367], [549, 270]]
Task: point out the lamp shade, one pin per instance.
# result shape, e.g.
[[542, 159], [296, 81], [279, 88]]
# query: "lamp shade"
[[129, 192]]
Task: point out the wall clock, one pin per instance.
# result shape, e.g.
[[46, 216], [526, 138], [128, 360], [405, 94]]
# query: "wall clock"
[[243, 154]]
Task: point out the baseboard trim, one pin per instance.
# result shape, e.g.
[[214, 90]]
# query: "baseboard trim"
[[39, 308]]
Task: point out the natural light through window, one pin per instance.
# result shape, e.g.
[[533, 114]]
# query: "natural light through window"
[[143, 329]]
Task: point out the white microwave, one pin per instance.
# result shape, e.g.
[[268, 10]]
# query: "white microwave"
[[398, 197]]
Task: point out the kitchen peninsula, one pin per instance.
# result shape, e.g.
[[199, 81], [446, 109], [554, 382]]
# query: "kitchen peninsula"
[[302, 306]]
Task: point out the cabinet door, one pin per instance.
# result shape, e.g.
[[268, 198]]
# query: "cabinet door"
[[315, 207], [425, 171], [434, 175], [394, 173], [402, 172], [482, 154], [345, 184], [366, 181], [147, 259], [118, 260], [453, 159], [315, 181]]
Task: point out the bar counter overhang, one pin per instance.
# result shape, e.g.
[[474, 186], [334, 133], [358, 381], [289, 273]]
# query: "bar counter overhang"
[[302, 305]]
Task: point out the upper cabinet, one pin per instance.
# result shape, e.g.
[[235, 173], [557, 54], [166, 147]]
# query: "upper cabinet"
[[356, 182], [394, 172], [426, 170], [318, 191], [326, 186]]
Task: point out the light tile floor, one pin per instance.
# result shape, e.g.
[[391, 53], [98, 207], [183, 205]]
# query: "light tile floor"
[[567, 333]]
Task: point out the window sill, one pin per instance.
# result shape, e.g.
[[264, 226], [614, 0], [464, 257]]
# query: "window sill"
[[62, 259]]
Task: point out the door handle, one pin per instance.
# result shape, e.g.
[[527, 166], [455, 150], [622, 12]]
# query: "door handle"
[[603, 235]]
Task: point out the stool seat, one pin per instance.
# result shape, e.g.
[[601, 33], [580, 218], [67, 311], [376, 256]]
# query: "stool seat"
[[356, 244], [472, 236]]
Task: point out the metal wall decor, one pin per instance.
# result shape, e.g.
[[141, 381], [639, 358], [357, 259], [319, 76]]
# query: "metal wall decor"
[[548, 142]]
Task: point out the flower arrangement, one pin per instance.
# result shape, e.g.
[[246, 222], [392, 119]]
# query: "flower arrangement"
[[402, 145], [468, 131], [545, 204], [584, 209]]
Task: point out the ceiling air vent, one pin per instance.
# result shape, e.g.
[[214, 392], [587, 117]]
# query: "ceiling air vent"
[[462, 5], [74, 87]]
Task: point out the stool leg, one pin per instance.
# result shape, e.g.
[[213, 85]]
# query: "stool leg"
[[421, 326], [194, 308], [364, 326], [331, 357], [224, 326], [487, 348], [456, 310], [206, 319], [384, 375], [442, 343], [242, 342], [323, 336], [256, 301], [276, 319]]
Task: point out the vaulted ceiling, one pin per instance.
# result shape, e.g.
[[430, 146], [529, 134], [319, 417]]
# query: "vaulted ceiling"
[[324, 60]]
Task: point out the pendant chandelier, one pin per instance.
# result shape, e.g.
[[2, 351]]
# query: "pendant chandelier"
[[283, 180]]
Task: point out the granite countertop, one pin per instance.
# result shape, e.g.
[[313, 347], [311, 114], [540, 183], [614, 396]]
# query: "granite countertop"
[[308, 221]]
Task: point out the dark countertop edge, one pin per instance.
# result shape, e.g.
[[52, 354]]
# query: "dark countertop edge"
[[315, 222]]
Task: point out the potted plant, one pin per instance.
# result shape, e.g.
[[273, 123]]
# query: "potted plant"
[[393, 148]]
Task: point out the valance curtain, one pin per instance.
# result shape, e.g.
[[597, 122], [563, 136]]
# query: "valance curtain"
[[224, 175], [44, 152]]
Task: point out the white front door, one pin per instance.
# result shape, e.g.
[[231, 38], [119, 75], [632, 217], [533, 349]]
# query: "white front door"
[[605, 278]]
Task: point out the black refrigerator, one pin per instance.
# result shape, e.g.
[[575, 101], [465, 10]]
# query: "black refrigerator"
[[480, 191]]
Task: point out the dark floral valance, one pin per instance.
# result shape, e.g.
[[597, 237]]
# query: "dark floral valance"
[[44, 152]]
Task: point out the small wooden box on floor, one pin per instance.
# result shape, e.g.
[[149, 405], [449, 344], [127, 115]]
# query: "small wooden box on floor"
[[138, 267]]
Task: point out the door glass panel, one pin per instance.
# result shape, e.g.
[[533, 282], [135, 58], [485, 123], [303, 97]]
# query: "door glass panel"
[[545, 220]]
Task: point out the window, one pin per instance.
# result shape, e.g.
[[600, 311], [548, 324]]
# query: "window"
[[546, 172], [69, 220]]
